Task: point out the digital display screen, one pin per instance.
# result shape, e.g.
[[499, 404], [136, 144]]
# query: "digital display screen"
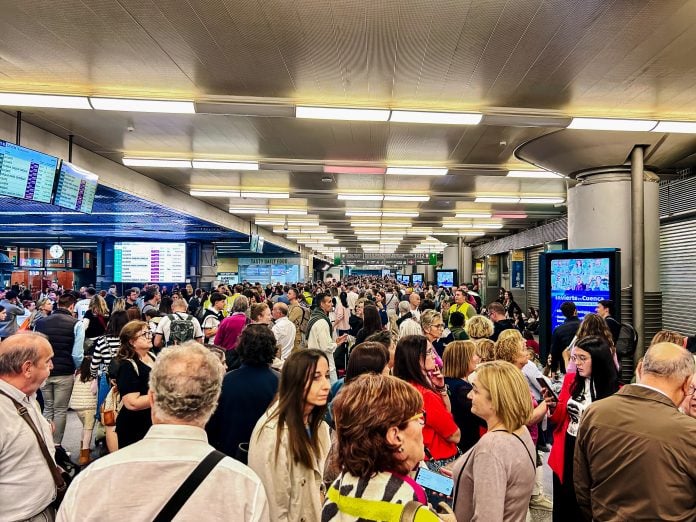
[[405, 279], [149, 262], [76, 188], [584, 281], [445, 278], [417, 279], [259, 245], [26, 173], [254, 242]]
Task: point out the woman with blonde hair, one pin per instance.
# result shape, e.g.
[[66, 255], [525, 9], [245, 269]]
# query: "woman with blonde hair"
[[479, 327], [459, 362], [494, 479], [485, 349], [668, 336]]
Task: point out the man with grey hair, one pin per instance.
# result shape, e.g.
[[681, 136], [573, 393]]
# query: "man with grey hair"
[[635, 450], [184, 389], [27, 487], [283, 329]]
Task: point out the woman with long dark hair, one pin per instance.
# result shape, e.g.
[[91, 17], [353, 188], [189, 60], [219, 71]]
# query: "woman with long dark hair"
[[596, 378], [372, 323], [290, 442], [342, 314]]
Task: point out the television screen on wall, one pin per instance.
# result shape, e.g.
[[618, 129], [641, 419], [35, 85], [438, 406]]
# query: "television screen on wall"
[[26, 173], [446, 278], [76, 188], [139, 262]]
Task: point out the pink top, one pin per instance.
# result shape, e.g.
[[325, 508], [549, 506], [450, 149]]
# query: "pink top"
[[229, 330]]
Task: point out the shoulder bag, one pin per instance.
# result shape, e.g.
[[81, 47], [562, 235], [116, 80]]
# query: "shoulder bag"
[[184, 492], [61, 484]]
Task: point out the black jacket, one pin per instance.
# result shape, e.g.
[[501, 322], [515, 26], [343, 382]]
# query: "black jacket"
[[563, 335], [59, 327], [505, 324]]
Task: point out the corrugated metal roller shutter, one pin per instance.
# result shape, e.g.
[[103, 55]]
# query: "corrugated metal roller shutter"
[[532, 283], [678, 276]]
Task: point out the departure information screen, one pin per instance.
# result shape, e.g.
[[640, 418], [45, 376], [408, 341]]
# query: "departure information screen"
[[26, 173], [149, 262], [76, 188], [582, 281]]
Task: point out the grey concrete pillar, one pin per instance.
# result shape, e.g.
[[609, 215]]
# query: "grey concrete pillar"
[[467, 265]]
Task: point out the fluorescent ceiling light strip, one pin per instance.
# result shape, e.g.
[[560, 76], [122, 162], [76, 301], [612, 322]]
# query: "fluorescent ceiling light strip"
[[503, 215], [287, 211], [542, 200], [473, 215], [473, 233], [51, 101], [457, 225], [152, 162], [225, 165], [365, 224], [134, 105], [265, 195], [417, 171], [496, 199], [250, 210], [387, 213], [679, 127], [534, 174], [612, 124], [406, 197], [338, 169], [490, 226], [363, 213], [215, 193], [341, 113], [360, 197], [400, 224], [447, 118]]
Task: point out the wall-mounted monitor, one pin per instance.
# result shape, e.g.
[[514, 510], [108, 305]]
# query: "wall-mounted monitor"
[[254, 242], [584, 277], [446, 278], [404, 279], [26, 173], [75, 188], [139, 262], [417, 279], [259, 245]]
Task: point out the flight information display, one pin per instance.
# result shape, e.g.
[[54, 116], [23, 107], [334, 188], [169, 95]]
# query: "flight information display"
[[26, 173], [583, 281], [76, 188], [149, 262]]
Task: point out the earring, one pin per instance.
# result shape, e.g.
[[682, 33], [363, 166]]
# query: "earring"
[[401, 449]]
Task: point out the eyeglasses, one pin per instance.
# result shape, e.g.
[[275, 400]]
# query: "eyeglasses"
[[692, 390], [420, 417], [145, 334], [579, 358], [429, 352], [438, 325]]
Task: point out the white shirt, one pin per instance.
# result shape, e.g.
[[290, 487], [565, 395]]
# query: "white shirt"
[[26, 483], [164, 324], [320, 338], [576, 408], [352, 298], [81, 308], [135, 482], [284, 331]]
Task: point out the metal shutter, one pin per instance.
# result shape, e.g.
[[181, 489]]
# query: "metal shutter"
[[678, 275], [532, 281]]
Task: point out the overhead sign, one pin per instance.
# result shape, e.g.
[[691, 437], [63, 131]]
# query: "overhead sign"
[[517, 269], [383, 259]]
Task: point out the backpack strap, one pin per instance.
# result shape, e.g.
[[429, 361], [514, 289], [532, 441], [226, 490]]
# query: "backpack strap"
[[184, 492]]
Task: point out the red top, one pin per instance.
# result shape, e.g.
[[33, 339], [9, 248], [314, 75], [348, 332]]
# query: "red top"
[[439, 424], [561, 420], [229, 330]]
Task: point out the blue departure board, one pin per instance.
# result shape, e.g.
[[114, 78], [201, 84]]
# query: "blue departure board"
[[26, 173], [76, 188]]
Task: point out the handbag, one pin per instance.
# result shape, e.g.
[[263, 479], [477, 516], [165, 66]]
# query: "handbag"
[[58, 478], [109, 408]]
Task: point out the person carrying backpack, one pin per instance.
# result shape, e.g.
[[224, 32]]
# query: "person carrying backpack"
[[178, 327], [299, 316]]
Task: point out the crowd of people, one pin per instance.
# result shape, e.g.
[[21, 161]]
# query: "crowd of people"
[[360, 399]]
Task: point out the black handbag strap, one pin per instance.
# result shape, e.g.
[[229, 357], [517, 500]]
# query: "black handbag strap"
[[181, 496], [24, 413]]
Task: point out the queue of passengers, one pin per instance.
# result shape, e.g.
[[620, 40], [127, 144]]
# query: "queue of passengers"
[[345, 400]]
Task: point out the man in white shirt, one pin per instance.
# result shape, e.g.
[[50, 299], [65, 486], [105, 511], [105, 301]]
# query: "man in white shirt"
[[283, 329], [163, 333], [82, 305], [26, 484], [352, 297], [414, 302], [320, 331], [184, 389]]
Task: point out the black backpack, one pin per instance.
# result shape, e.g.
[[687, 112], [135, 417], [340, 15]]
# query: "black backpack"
[[180, 330], [626, 341]]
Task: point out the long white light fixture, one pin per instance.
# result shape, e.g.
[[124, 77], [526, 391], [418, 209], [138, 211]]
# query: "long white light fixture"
[[406, 197], [225, 165], [363, 213], [612, 124], [473, 215], [534, 174], [135, 105], [679, 127], [265, 195], [388, 213], [417, 171], [215, 193], [496, 199], [248, 210], [50, 101], [287, 211], [457, 225], [150, 162], [446, 118], [360, 197], [341, 113], [542, 200]]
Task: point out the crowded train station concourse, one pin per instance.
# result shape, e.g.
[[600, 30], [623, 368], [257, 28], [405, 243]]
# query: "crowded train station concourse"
[[336, 261]]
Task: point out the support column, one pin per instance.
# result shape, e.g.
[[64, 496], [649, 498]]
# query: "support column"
[[467, 265], [638, 243]]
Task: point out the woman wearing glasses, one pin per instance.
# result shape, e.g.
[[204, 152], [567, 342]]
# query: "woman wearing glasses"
[[134, 363], [433, 327], [414, 362], [595, 379]]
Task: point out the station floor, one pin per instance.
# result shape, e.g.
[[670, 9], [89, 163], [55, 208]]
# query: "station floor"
[[73, 434]]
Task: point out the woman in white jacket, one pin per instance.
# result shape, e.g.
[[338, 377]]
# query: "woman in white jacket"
[[290, 442]]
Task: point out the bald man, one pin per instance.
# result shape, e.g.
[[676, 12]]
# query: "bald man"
[[414, 301], [635, 450], [27, 487], [283, 329]]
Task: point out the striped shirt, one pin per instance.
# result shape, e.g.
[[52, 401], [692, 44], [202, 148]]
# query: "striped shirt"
[[104, 350]]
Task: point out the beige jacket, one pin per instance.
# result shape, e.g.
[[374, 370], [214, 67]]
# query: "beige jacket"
[[295, 493]]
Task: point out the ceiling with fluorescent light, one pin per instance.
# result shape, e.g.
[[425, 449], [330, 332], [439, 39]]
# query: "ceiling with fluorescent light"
[[528, 66]]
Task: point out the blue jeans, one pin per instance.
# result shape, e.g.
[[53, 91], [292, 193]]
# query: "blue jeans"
[[56, 392]]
